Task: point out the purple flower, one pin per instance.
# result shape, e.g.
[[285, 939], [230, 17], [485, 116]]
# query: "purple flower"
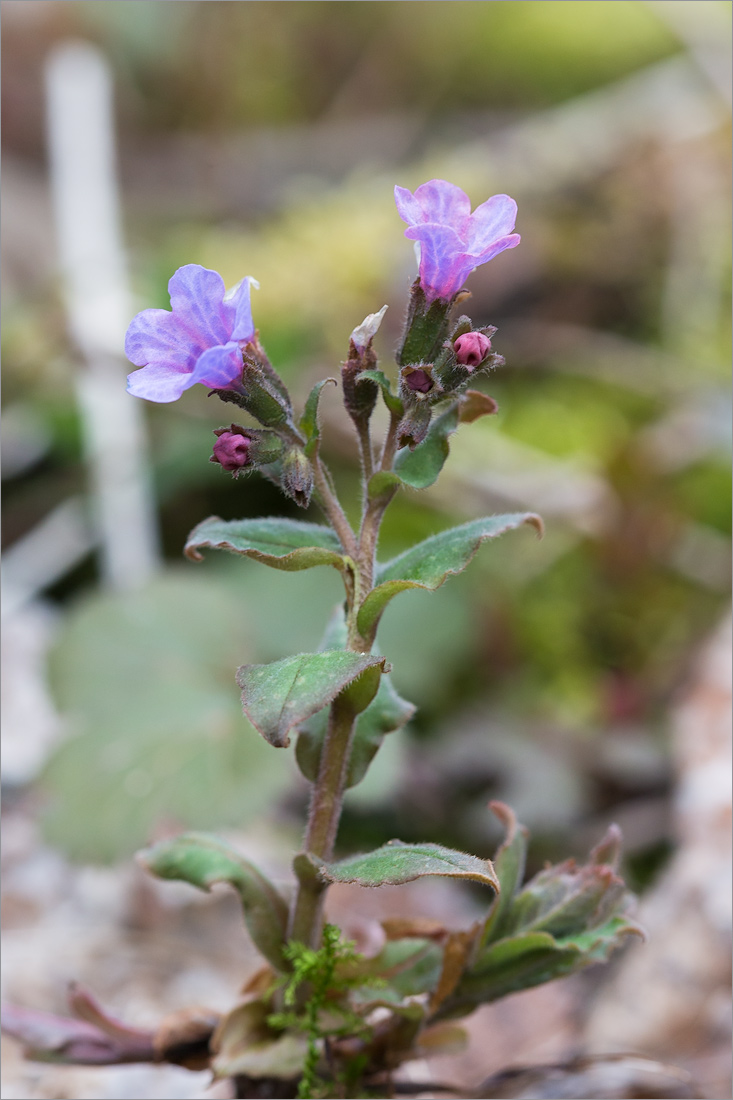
[[453, 242], [200, 340]]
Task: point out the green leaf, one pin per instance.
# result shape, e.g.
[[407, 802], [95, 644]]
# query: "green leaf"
[[203, 860], [420, 468], [520, 962], [309, 420], [280, 695], [155, 729], [391, 400], [429, 563], [395, 863], [509, 863], [280, 543], [386, 713]]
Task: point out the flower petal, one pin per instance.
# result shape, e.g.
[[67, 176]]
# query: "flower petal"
[[197, 299], [218, 367], [511, 241], [443, 268], [444, 203], [157, 383], [408, 207], [157, 336], [492, 219], [238, 299]]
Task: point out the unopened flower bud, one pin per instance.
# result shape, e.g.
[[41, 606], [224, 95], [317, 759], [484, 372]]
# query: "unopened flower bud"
[[297, 477], [238, 448], [471, 349], [419, 381], [231, 451]]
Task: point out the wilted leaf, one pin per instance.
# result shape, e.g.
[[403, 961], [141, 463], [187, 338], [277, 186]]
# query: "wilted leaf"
[[431, 562], [280, 695], [204, 860], [244, 1044], [280, 543], [473, 403], [395, 863]]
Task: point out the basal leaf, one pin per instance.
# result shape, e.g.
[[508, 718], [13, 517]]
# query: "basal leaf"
[[278, 696], [203, 860], [509, 864], [395, 863], [386, 713], [280, 543], [429, 563], [245, 1044], [155, 729]]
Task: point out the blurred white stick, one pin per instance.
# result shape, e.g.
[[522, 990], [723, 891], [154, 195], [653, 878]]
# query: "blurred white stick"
[[91, 256]]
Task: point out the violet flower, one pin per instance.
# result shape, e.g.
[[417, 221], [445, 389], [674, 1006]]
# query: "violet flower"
[[453, 242], [199, 340]]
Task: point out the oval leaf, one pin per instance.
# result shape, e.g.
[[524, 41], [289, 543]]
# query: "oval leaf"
[[395, 863], [280, 695], [429, 563], [280, 543], [202, 860]]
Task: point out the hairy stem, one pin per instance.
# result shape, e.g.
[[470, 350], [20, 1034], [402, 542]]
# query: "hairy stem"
[[332, 508], [323, 819]]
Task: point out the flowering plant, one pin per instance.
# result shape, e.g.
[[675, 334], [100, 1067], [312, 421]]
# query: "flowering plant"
[[320, 1019]]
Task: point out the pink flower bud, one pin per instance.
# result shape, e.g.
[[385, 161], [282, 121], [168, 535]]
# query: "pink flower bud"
[[231, 451], [472, 348], [418, 381]]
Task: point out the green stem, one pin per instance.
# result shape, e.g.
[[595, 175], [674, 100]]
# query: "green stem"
[[331, 506], [323, 819], [328, 791]]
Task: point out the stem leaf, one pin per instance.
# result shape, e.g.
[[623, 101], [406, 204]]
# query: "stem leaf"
[[203, 860], [395, 863], [428, 564], [278, 696], [391, 400], [309, 420], [284, 544], [420, 468]]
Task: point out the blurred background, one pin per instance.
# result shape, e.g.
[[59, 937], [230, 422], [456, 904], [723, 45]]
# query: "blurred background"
[[583, 679]]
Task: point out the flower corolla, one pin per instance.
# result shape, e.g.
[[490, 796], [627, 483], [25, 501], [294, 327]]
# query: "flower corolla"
[[199, 340], [453, 242]]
